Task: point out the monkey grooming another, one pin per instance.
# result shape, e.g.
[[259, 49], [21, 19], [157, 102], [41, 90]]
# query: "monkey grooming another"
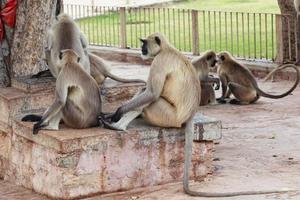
[[99, 70], [172, 92], [202, 65], [238, 80], [75, 40], [77, 97], [65, 34]]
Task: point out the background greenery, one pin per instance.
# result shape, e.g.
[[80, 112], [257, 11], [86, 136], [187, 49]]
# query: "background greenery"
[[246, 34]]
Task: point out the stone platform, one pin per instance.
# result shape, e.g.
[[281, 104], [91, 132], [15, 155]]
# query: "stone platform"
[[71, 163]]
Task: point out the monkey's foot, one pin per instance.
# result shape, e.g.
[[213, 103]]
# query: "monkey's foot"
[[221, 100], [237, 102], [105, 116], [113, 126], [37, 127]]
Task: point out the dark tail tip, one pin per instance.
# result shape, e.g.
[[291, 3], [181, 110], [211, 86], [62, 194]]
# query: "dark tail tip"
[[32, 118]]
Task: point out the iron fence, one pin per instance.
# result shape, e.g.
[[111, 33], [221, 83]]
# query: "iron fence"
[[245, 35]]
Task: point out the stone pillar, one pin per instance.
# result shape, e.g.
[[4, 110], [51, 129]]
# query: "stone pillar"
[[33, 20], [288, 34]]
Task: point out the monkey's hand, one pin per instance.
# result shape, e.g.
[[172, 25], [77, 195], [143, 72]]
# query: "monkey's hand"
[[38, 126], [105, 116], [117, 115]]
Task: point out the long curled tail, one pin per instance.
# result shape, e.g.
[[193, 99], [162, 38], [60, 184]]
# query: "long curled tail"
[[281, 67]]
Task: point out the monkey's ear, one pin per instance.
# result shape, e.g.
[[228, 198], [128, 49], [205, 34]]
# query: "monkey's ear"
[[60, 55], [78, 59], [208, 57], [157, 40]]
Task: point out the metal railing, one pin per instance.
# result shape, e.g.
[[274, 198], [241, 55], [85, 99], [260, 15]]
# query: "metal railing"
[[245, 35]]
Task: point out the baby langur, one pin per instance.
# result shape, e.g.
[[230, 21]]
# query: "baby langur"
[[238, 80], [202, 65], [77, 97], [172, 90]]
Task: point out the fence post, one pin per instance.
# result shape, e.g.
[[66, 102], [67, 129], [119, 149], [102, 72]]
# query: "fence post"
[[279, 39], [297, 36], [123, 27], [195, 33]]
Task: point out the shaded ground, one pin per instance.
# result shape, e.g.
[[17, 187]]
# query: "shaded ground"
[[259, 150]]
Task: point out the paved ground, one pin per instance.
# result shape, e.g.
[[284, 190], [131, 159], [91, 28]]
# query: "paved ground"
[[259, 151]]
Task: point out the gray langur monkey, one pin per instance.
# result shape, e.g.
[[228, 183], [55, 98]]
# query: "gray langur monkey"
[[202, 65], [172, 92], [237, 79], [77, 97], [99, 70], [171, 98], [65, 34]]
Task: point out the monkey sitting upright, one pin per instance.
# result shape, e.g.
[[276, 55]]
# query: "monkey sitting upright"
[[237, 79], [202, 65], [77, 97], [172, 92]]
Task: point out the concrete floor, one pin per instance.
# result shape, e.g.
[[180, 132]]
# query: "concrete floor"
[[259, 151]]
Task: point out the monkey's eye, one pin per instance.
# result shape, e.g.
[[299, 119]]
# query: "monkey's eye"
[[78, 59], [208, 57], [222, 58]]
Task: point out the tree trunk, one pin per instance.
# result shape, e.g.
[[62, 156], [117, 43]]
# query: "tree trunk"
[[5, 53], [33, 21], [289, 24]]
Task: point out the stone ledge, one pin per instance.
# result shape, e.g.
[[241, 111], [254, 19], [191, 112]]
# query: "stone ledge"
[[35, 97], [68, 140], [73, 163]]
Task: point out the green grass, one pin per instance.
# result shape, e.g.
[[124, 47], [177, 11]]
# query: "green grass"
[[258, 6], [245, 35]]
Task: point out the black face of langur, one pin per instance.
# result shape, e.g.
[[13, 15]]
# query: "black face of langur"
[[212, 60], [144, 47], [150, 52]]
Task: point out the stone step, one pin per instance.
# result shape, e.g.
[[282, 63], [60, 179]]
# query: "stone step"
[[72, 163], [35, 97]]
